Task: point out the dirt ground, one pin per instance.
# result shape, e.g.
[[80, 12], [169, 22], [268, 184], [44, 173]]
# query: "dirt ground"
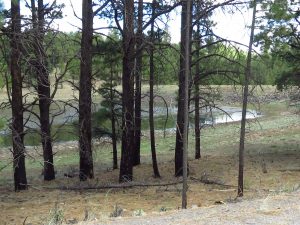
[[41, 203], [277, 209]]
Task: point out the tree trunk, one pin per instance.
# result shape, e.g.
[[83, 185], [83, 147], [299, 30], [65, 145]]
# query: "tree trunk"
[[187, 54], [197, 96], [197, 124], [85, 138], [151, 84], [181, 93], [20, 180], [126, 170], [113, 122], [138, 77], [114, 139], [244, 110], [43, 87]]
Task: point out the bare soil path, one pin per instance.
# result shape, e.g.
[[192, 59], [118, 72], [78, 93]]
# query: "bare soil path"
[[274, 209]]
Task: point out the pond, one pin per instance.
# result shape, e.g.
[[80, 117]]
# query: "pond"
[[209, 116], [226, 114]]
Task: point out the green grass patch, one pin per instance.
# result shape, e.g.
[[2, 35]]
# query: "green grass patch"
[[274, 108], [2, 124], [160, 123], [32, 137]]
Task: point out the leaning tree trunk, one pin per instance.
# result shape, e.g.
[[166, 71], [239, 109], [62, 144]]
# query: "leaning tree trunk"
[[197, 96], [43, 87], [126, 166], [151, 85], [20, 179], [138, 78], [181, 93], [244, 110], [85, 131]]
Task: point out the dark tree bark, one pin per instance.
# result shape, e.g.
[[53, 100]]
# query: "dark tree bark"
[[151, 98], [43, 87], [85, 137], [181, 92], [244, 110], [113, 122], [138, 77], [20, 180], [126, 166], [197, 95], [187, 55]]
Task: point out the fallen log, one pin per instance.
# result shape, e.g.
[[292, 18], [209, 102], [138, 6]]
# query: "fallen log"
[[112, 186]]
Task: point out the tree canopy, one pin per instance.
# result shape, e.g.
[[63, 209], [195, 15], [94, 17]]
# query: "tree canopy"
[[279, 36]]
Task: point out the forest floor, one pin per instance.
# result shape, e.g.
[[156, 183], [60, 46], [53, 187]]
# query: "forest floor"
[[272, 167], [277, 209]]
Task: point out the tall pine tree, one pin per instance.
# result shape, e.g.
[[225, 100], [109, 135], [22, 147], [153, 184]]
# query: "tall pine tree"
[[17, 126], [85, 88]]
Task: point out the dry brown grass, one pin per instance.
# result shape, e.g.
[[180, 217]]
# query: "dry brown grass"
[[36, 203]]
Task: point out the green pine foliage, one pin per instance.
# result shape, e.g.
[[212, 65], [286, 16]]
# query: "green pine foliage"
[[279, 37]]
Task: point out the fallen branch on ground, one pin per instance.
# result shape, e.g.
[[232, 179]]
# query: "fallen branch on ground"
[[113, 186], [208, 181]]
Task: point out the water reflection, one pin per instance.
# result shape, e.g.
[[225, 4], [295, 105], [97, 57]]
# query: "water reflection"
[[210, 116], [227, 115]]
